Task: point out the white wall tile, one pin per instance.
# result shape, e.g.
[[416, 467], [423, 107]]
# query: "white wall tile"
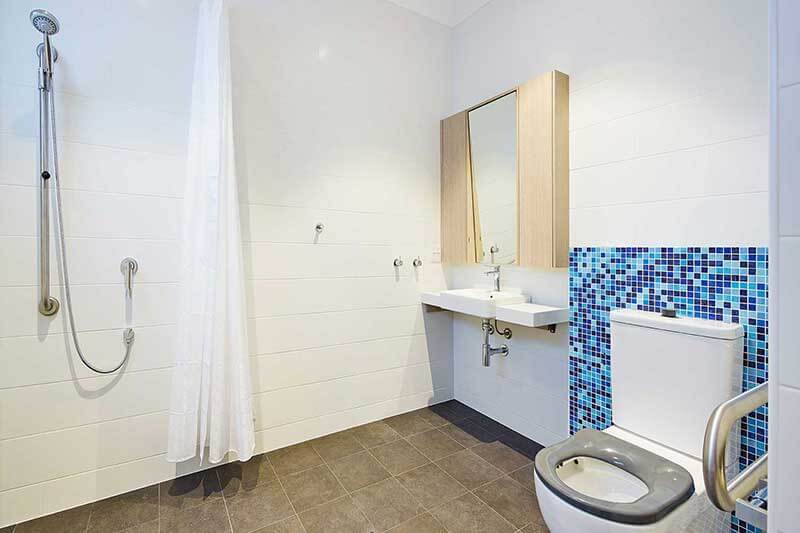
[[789, 159], [40, 408], [784, 512], [788, 42]]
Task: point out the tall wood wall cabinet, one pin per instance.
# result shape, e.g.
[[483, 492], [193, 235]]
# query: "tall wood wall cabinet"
[[542, 168]]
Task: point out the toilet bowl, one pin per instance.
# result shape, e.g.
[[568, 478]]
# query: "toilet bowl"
[[614, 481], [644, 473]]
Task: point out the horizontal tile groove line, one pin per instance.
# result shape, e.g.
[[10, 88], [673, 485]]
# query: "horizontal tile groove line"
[[97, 191], [306, 243], [668, 200], [66, 332], [334, 210], [329, 345], [345, 376], [98, 284], [335, 311], [299, 350], [90, 424], [647, 109], [118, 103], [87, 424], [667, 152], [68, 476], [349, 409], [89, 237], [82, 378], [327, 278], [81, 238], [73, 140]]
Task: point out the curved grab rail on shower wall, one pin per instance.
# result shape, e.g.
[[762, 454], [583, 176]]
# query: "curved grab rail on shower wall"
[[723, 494]]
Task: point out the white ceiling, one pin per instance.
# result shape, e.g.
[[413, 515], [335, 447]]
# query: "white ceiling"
[[447, 12]]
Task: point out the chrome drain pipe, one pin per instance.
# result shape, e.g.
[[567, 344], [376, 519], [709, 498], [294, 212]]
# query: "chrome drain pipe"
[[487, 350]]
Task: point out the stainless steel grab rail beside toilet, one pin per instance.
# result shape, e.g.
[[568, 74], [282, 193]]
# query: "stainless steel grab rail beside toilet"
[[724, 494]]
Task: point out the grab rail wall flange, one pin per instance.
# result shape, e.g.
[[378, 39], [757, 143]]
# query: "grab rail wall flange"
[[723, 494]]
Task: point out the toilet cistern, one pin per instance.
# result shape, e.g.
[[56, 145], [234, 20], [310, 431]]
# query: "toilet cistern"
[[495, 274]]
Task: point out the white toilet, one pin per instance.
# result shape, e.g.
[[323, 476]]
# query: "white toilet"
[[644, 473]]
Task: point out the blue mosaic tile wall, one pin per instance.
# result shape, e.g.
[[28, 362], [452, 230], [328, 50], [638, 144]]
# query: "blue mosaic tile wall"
[[725, 283]]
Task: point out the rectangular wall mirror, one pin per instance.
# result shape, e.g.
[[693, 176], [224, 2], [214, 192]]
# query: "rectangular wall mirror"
[[505, 177], [493, 155]]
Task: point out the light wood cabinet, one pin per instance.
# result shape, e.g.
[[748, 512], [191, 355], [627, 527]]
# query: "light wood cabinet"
[[542, 178]]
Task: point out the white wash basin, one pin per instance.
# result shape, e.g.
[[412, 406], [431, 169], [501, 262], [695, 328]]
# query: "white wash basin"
[[479, 302]]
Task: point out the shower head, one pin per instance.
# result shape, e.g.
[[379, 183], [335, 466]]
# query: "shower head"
[[44, 22]]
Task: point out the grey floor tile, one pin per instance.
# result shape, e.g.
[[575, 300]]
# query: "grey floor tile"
[[399, 456], [244, 476], [524, 476], [431, 485], [408, 424], [432, 417], [520, 443], [210, 517], [424, 523], [124, 511], [501, 456], [70, 521], [295, 458], [469, 469], [375, 434], [290, 525], [467, 433], [336, 446], [147, 527], [468, 514], [489, 424], [535, 528], [386, 504], [358, 471], [338, 516], [457, 410], [260, 507], [189, 491], [513, 502], [434, 444], [312, 487]]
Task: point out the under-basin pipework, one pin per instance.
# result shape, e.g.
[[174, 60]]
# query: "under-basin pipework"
[[47, 24], [487, 350]]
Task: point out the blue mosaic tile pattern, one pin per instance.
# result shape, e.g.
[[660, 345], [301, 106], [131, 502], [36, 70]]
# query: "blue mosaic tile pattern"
[[725, 283]]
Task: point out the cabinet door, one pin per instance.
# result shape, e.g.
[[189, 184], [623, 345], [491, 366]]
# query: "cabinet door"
[[458, 232]]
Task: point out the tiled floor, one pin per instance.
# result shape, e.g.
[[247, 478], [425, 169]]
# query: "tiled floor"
[[441, 469]]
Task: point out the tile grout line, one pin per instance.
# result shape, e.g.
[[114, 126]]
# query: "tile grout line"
[[285, 494], [224, 502], [348, 493]]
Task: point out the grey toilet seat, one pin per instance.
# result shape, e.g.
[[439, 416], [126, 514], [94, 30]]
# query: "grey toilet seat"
[[668, 484]]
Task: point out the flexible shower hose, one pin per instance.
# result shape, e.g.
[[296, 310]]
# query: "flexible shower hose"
[[128, 334]]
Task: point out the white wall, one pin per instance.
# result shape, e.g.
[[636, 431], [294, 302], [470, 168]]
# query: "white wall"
[[784, 364], [668, 147], [337, 122]]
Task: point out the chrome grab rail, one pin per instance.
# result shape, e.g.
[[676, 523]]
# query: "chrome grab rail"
[[722, 493]]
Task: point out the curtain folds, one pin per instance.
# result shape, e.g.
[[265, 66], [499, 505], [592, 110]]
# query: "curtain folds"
[[211, 405]]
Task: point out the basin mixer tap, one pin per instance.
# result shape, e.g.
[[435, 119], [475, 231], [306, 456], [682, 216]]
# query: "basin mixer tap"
[[495, 273]]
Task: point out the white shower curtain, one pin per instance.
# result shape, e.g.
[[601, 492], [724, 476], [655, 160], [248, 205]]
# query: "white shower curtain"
[[211, 404]]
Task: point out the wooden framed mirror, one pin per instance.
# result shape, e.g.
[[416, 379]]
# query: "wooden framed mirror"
[[505, 177]]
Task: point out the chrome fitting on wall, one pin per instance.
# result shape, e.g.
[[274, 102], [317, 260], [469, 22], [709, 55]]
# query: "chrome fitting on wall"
[[417, 262], [487, 350], [398, 262]]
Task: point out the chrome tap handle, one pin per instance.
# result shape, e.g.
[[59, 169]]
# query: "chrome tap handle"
[[417, 262], [129, 267], [398, 262]]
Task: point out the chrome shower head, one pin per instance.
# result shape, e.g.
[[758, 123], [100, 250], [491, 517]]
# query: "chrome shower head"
[[44, 21]]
